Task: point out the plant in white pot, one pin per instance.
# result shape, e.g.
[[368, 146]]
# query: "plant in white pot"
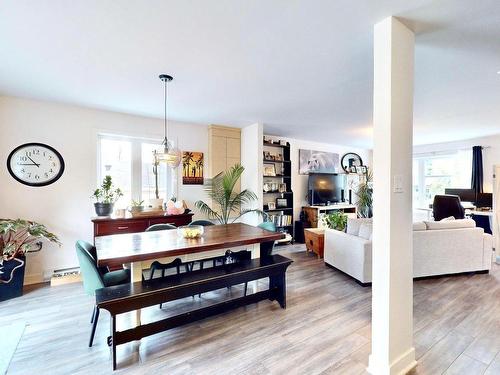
[[106, 196], [17, 238]]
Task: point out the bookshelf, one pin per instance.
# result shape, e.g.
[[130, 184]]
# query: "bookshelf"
[[277, 185]]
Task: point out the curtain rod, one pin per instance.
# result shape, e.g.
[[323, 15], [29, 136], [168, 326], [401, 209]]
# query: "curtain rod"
[[447, 150]]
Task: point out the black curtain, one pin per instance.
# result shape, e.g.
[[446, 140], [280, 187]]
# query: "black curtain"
[[477, 169]]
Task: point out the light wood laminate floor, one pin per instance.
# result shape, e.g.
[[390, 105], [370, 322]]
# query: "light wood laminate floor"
[[324, 330]]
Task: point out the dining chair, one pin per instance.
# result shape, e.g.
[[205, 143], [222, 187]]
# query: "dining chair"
[[203, 223], [96, 277], [164, 266], [156, 227]]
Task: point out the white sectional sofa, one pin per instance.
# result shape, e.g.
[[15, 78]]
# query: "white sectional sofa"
[[439, 248]]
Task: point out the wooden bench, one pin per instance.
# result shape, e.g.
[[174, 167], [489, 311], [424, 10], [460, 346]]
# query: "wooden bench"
[[129, 297]]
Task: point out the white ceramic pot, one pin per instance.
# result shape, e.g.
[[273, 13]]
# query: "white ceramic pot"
[[156, 203]]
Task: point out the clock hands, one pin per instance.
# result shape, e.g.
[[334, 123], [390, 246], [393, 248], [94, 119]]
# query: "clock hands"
[[34, 163]]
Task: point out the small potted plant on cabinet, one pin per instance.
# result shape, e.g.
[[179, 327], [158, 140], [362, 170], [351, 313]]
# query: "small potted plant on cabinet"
[[17, 238], [136, 207], [106, 196]]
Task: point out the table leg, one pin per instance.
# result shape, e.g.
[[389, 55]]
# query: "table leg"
[[136, 272]]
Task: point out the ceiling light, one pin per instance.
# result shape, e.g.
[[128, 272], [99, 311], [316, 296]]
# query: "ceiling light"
[[170, 155]]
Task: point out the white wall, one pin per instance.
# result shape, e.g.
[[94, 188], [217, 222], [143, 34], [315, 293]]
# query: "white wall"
[[491, 154], [65, 207], [251, 150]]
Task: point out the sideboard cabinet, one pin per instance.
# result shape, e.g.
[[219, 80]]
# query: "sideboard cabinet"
[[104, 226]]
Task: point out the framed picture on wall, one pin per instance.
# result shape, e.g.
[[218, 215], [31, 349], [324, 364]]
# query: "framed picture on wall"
[[318, 162], [269, 169]]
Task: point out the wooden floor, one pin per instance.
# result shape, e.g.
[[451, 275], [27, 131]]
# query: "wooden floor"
[[324, 330]]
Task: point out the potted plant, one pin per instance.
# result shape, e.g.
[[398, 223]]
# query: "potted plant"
[[365, 196], [17, 238], [136, 206], [227, 202], [106, 196], [336, 220], [157, 202]]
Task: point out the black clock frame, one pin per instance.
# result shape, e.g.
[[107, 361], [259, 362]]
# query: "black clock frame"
[[348, 154], [34, 184]]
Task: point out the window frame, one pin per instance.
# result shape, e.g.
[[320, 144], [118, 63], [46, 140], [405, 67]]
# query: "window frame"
[[136, 163]]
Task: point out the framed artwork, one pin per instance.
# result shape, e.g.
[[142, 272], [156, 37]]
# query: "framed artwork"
[[271, 206], [318, 162], [192, 168], [282, 187], [269, 169]]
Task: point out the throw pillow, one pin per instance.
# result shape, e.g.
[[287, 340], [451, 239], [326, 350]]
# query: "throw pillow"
[[449, 218], [354, 224], [450, 224], [365, 231]]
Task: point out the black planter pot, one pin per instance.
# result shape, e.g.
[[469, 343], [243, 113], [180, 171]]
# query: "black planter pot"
[[12, 278], [103, 209]]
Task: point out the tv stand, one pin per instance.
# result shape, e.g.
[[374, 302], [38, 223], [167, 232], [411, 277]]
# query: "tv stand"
[[314, 213]]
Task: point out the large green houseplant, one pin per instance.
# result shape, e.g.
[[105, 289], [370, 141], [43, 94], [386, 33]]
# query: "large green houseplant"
[[226, 202], [364, 194], [106, 196], [17, 238]]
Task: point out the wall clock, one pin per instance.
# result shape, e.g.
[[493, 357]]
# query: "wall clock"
[[35, 164]]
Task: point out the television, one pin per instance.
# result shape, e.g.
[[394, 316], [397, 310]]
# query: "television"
[[466, 195], [325, 188]]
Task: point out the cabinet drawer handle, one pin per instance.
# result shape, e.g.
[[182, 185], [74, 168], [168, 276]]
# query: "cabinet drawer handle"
[[122, 227]]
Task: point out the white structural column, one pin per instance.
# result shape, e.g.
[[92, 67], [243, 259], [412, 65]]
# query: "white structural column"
[[392, 304]]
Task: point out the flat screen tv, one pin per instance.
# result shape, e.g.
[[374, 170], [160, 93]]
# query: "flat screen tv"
[[325, 188]]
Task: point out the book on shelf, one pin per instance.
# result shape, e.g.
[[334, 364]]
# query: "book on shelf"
[[280, 220]]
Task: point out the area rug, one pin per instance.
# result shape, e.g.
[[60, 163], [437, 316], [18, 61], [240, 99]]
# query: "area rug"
[[11, 335]]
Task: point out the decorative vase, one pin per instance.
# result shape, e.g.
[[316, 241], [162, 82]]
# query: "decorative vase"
[[156, 203], [12, 278], [103, 209]]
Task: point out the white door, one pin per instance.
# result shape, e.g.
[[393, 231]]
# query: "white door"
[[496, 211]]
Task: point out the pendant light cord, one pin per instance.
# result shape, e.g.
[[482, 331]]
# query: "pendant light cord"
[[165, 114]]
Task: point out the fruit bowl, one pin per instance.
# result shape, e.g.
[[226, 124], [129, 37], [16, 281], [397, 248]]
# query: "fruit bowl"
[[190, 231]]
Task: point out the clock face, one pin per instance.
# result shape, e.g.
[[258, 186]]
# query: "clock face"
[[35, 164]]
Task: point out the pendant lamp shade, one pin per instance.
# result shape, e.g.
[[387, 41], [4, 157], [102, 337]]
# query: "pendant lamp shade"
[[170, 154]]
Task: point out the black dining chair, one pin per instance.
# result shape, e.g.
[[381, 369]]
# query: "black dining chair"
[[164, 266]]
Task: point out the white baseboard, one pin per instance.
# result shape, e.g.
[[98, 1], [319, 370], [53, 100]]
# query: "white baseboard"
[[400, 366], [35, 278]]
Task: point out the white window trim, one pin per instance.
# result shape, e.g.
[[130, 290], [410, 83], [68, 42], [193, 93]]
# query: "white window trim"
[[136, 163]]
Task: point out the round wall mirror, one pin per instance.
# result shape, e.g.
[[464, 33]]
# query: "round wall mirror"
[[350, 161]]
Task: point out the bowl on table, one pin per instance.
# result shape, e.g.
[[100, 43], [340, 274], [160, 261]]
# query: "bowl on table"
[[190, 231]]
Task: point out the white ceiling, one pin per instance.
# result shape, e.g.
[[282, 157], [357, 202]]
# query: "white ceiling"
[[303, 68]]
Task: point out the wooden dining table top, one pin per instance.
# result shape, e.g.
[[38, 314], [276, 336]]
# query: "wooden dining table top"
[[118, 249]]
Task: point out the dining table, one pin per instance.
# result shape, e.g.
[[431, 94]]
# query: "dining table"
[[139, 250]]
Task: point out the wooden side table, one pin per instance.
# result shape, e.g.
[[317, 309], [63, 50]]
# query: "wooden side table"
[[315, 238]]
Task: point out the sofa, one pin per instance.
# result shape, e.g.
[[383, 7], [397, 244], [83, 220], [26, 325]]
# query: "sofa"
[[439, 248]]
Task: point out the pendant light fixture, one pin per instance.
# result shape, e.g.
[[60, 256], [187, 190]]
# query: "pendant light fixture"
[[170, 154]]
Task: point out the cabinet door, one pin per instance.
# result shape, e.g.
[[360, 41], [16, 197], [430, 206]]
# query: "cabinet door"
[[233, 148], [219, 149]]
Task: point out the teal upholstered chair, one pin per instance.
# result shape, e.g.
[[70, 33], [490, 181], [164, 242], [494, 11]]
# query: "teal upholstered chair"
[[268, 225], [95, 277], [203, 223], [156, 227]]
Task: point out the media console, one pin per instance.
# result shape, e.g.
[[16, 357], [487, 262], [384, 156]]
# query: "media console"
[[314, 213]]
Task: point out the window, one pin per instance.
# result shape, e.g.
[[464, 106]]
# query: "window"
[[129, 161], [432, 174]]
